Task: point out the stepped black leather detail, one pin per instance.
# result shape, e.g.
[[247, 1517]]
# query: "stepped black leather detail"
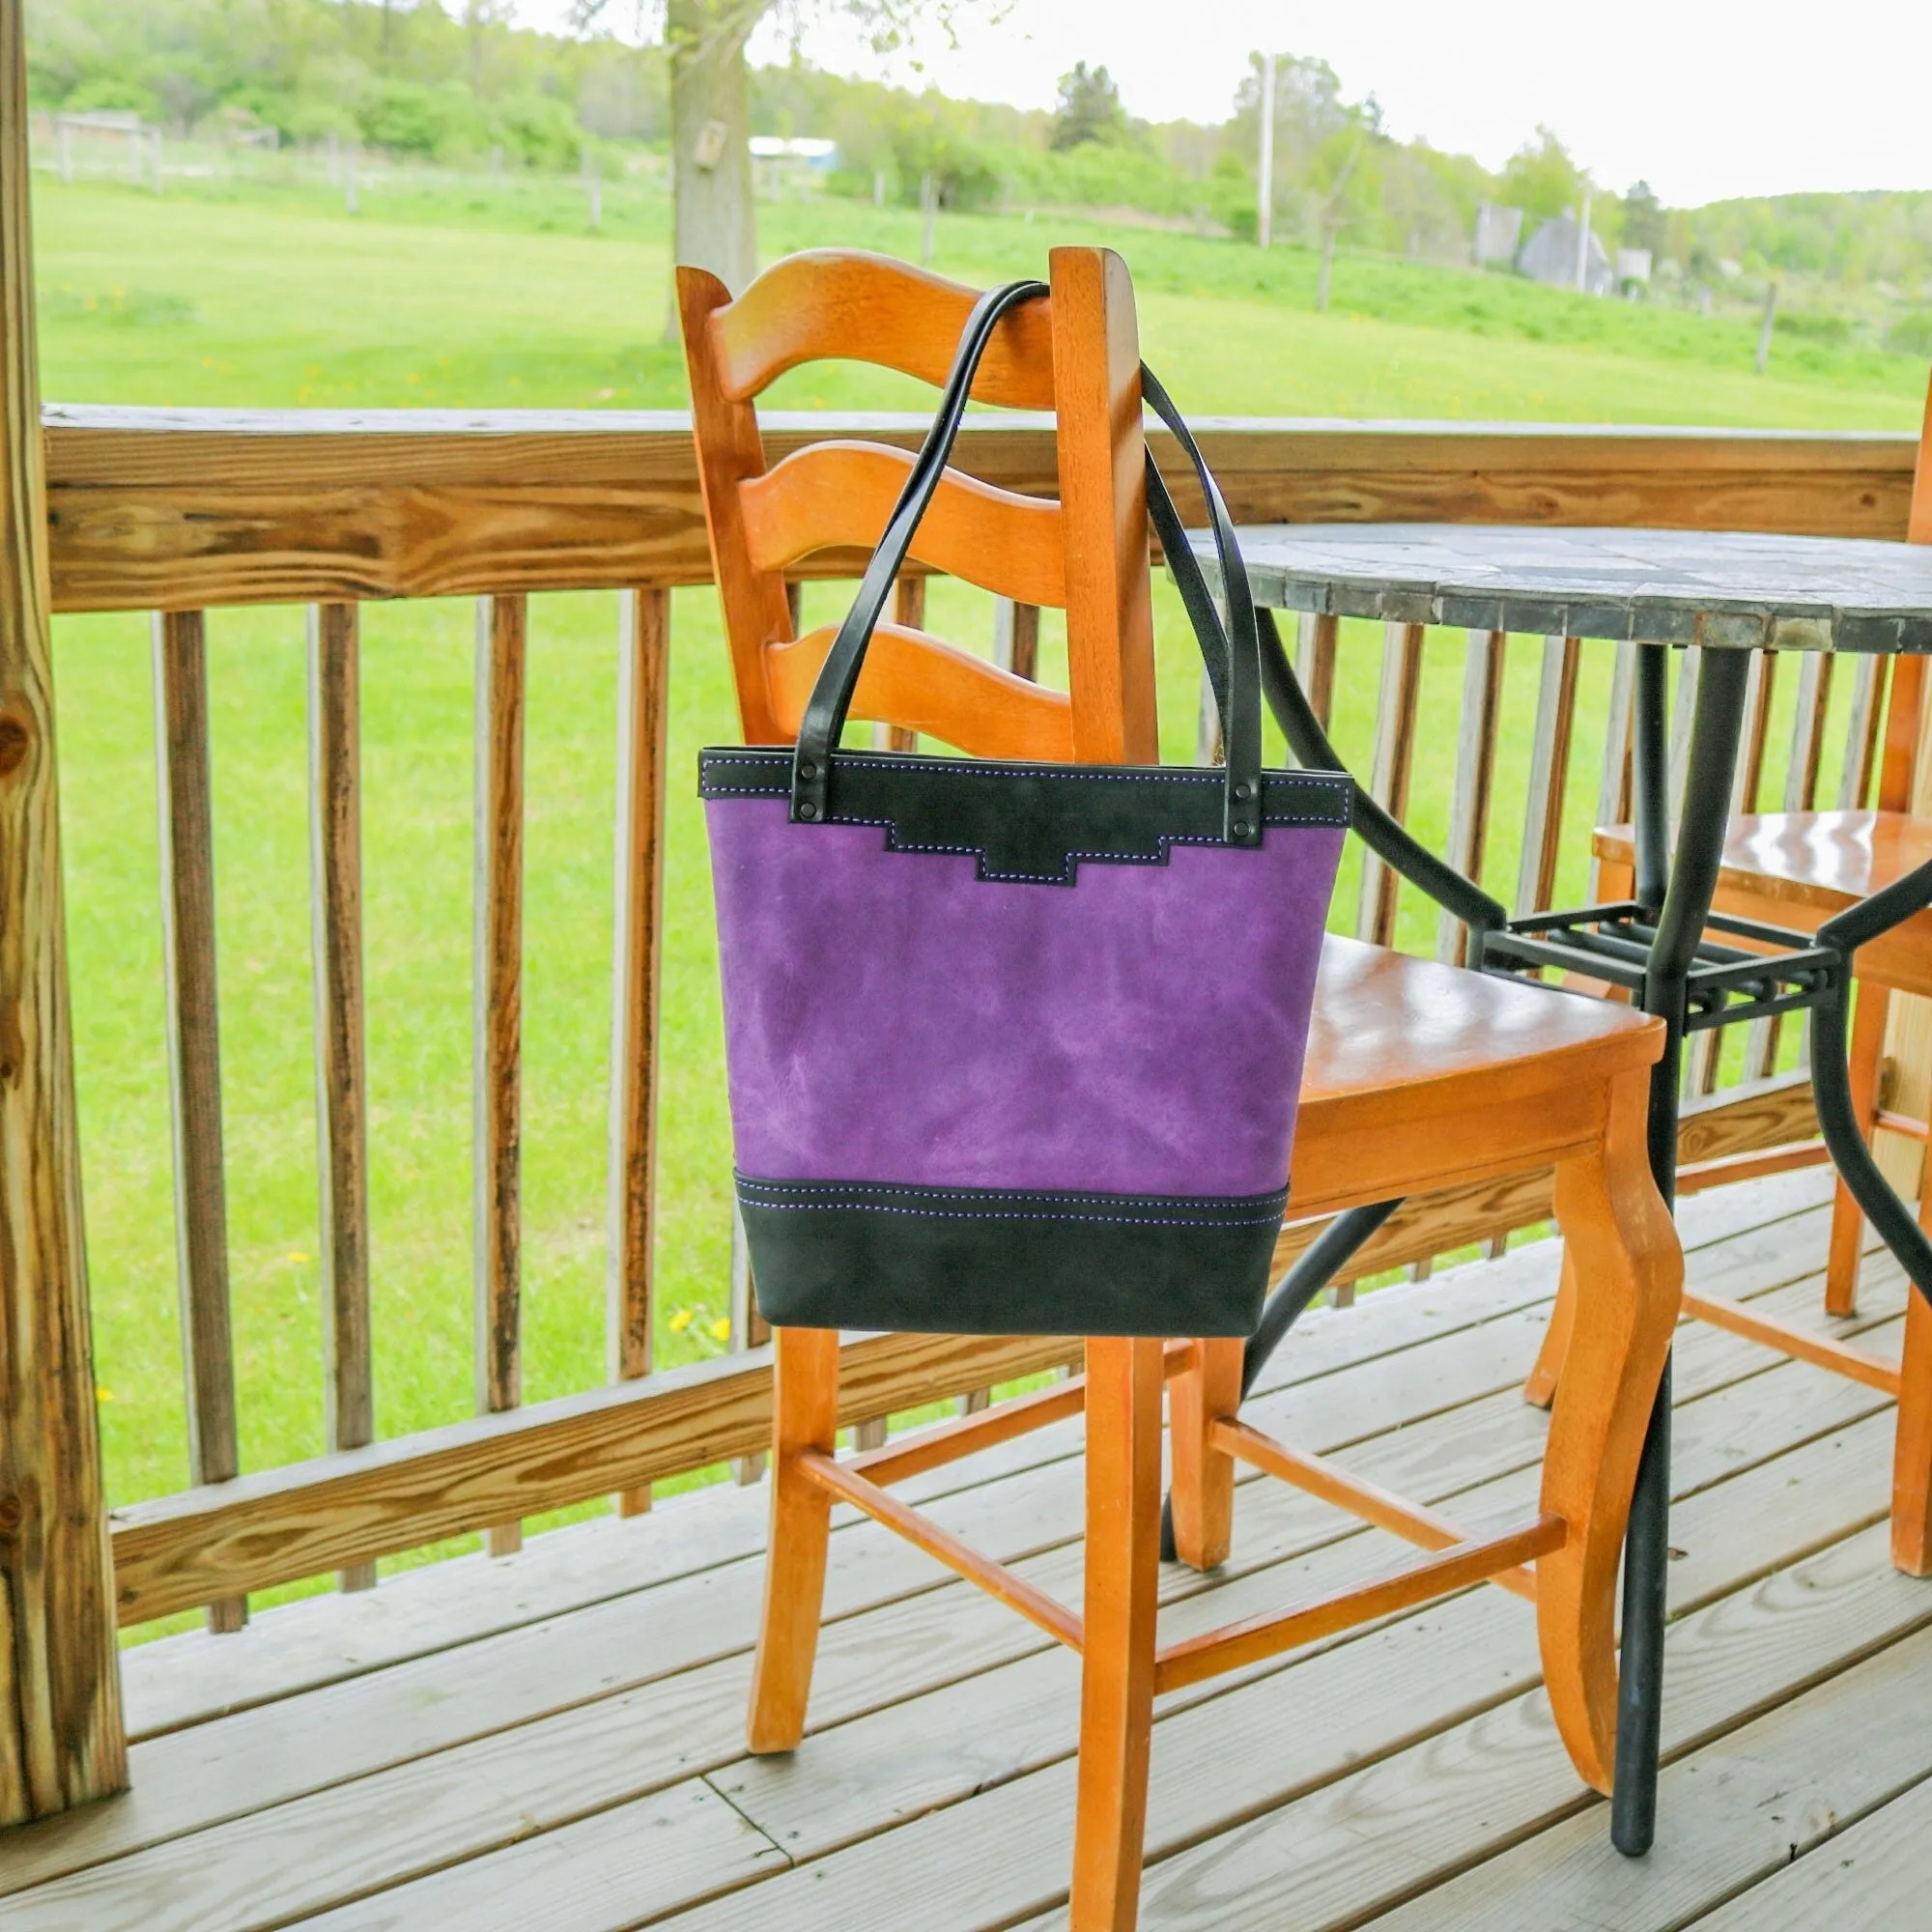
[[1029, 823]]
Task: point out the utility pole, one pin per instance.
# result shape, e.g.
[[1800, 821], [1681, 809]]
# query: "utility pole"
[[1265, 223], [1583, 246], [1766, 325]]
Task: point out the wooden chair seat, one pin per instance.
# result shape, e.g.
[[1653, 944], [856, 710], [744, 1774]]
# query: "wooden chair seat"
[[1796, 868], [1401, 1047], [1419, 1075]]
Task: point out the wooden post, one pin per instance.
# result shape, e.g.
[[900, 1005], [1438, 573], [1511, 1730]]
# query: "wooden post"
[[642, 682], [60, 1736], [1762, 360], [497, 1014], [1264, 213], [185, 835], [341, 1090]]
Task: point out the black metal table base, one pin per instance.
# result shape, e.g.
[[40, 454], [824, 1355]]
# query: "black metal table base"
[[1659, 945]]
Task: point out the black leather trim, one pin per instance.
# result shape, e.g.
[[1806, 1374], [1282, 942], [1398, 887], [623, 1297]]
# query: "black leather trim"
[[1029, 823], [1007, 1261]]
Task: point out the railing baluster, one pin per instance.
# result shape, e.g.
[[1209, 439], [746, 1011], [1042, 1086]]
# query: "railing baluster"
[[335, 819], [1701, 1064], [1862, 731], [1475, 775], [749, 1328], [186, 827], [908, 608], [496, 1003], [1315, 664], [1394, 758], [1017, 638], [643, 671], [1760, 688], [1808, 732], [1548, 772], [1613, 787], [1679, 735]]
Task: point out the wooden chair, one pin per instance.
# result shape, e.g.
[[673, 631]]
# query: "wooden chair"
[[1795, 869], [1419, 1074]]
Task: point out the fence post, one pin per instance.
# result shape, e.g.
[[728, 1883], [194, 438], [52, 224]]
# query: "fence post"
[[185, 835], [496, 1019], [60, 1736], [642, 687]]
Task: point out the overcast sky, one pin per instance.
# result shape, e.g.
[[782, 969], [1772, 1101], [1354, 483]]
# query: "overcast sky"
[[1705, 99]]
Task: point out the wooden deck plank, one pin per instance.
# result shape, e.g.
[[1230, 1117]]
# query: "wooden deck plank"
[[192, 1779], [1872, 1877], [244, 1763], [863, 1777], [312, 1831], [1226, 1773], [698, 1845], [1731, 1814], [189, 1679], [617, 1868], [518, 1763], [1465, 1382]]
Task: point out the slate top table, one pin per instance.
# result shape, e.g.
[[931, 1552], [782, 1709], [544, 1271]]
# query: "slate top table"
[[1730, 592], [1734, 589]]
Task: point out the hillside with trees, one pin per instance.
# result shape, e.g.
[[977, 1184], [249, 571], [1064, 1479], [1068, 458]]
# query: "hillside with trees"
[[460, 85]]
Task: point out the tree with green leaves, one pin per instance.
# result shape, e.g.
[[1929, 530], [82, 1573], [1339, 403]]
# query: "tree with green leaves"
[[1089, 108], [1541, 179], [1644, 222], [714, 220]]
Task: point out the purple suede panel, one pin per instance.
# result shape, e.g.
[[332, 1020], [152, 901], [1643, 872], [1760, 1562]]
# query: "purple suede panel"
[[889, 1017]]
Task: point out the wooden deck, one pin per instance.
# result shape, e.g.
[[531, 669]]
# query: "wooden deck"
[[553, 1740]]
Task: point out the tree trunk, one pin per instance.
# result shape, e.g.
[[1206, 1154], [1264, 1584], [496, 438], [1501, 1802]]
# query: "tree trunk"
[[1328, 267], [714, 225]]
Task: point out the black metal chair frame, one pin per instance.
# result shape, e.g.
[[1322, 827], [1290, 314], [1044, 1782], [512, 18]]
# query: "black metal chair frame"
[[1659, 947]]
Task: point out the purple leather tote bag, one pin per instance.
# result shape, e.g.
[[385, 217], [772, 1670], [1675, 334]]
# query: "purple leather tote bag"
[[1015, 1048]]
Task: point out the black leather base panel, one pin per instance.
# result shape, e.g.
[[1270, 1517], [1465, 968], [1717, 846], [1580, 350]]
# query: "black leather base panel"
[[1030, 823], [1007, 1262]]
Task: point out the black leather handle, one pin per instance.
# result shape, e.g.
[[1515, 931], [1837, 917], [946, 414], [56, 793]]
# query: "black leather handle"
[[1233, 668], [838, 677]]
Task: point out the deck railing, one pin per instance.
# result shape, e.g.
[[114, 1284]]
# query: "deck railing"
[[179, 513]]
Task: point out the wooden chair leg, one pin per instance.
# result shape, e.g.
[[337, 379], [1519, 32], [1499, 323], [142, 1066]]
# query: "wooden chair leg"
[[1630, 1272], [1848, 1225], [1540, 1390], [1912, 1457], [1204, 1478], [806, 1406], [1124, 1393]]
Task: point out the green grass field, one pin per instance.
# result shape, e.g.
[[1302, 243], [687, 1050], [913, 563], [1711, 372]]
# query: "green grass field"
[[444, 296]]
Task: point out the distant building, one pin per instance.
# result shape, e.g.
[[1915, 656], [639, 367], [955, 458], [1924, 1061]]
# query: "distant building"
[[775, 147], [1498, 231], [1550, 257], [1632, 269]]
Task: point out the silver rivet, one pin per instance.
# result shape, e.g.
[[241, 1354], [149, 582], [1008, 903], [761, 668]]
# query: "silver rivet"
[[1243, 792], [806, 810], [807, 769]]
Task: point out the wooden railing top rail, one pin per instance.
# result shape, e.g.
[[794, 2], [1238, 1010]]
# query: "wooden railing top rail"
[[187, 509]]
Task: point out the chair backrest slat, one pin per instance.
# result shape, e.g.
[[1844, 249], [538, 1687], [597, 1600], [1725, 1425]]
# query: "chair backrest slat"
[[840, 494], [833, 304], [1076, 352]]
